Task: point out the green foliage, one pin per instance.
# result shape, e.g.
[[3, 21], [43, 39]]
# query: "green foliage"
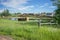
[[57, 11], [5, 13], [57, 16], [56, 3], [28, 31]]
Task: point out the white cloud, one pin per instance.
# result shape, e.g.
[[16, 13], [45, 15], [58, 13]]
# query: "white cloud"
[[26, 8], [52, 7], [2, 10], [47, 5], [14, 3], [44, 5], [41, 6], [17, 4]]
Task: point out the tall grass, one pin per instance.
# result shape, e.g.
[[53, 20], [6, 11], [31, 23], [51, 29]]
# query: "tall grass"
[[28, 30]]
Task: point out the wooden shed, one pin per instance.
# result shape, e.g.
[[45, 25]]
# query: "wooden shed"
[[23, 19]]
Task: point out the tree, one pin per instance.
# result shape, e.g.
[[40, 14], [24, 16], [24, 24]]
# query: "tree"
[[57, 11], [5, 13]]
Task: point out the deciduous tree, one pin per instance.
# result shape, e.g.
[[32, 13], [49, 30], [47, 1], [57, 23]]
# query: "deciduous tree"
[[57, 11]]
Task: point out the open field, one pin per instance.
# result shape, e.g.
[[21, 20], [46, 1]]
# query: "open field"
[[28, 30]]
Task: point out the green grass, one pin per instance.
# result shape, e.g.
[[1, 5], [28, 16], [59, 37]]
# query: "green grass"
[[28, 30]]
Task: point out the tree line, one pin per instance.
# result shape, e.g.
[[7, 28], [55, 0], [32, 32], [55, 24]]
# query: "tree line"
[[6, 13]]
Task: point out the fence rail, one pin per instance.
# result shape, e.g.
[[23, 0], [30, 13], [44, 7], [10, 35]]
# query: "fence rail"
[[48, 23]]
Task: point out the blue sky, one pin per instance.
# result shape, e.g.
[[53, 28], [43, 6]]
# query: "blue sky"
[[27, 6]]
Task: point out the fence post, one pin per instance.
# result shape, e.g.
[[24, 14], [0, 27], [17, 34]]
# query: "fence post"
[[39, 23]]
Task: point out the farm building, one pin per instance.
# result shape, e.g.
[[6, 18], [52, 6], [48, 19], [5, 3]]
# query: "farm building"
[[20, 18]]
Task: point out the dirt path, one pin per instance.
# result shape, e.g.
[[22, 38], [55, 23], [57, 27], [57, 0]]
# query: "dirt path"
[[5, 38]]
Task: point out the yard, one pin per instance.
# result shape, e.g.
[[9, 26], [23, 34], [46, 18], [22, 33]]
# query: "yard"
[[22, 30]]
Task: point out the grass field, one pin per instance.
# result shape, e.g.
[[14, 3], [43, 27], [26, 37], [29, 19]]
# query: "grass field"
[[28, 30]]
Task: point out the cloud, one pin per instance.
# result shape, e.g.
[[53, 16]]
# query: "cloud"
[[14, 3], [26, 8], [1, 10], [44, 5], [52, 7], [17, 4], [41, 6]]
